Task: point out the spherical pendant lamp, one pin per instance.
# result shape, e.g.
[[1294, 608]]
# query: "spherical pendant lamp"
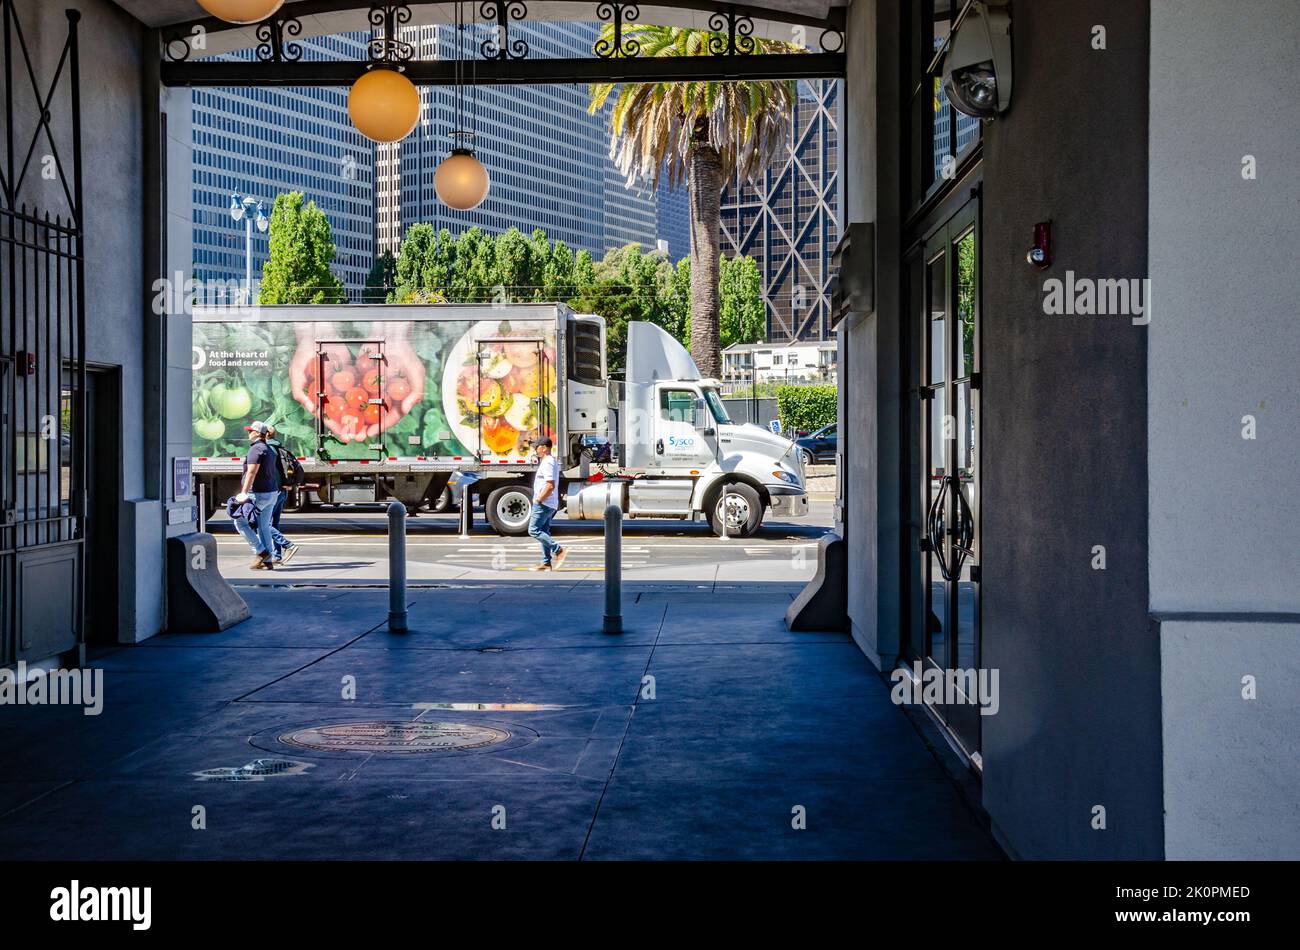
[[384, 105], [241, 11], [461, 181]]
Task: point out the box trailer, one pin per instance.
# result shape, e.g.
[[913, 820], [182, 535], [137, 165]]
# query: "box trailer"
[[391, 401]]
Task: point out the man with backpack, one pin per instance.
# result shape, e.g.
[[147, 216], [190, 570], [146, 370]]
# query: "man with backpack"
[[291, 473], [260, 486]]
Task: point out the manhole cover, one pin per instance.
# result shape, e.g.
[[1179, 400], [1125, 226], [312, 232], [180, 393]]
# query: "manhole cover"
[[255, 771], [396, 736]]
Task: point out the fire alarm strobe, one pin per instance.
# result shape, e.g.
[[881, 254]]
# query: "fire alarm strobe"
[[1040, 255]]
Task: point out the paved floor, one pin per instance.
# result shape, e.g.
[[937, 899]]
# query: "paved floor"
[[705, 731]]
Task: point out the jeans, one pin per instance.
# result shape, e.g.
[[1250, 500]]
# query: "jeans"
[[264, 538], [281, 542], [539, 527]]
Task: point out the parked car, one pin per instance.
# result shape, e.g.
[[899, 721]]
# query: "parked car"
[[820, 446]]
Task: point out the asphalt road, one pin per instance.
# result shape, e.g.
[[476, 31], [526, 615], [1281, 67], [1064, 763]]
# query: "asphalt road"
[[350, 546]]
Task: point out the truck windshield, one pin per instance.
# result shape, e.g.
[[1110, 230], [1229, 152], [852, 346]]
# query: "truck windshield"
[[715, 405]]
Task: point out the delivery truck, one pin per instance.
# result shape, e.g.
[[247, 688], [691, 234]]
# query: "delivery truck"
[[392, 401]]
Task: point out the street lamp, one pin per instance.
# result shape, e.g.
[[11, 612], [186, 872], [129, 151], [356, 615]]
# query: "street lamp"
[[249, 210]]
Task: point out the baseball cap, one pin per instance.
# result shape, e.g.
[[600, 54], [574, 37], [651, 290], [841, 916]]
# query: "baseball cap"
[[260, 427], [545, 441]]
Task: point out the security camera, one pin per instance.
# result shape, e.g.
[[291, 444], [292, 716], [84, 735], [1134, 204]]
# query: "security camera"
[[977, 66]]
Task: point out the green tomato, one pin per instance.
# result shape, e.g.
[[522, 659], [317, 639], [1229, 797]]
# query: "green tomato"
[[233, 402], [209, 430]]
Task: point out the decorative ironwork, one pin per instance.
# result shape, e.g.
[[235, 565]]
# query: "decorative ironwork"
[[498, 44], [386, 47], [739, 30], [272, 47], [618, 14], [42, 349]]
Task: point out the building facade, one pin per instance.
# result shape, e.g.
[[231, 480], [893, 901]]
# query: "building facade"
[[266, 141], [809, 362], [790, 220], [579, 197]]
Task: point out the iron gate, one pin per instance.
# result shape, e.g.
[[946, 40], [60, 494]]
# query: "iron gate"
[[42, 361]]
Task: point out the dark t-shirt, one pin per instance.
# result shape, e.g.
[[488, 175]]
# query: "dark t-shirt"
[[263, 456]]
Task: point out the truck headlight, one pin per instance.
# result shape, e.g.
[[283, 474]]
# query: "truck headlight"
[[787, 477]]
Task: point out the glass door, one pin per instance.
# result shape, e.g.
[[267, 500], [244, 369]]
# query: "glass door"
[[945, 506]]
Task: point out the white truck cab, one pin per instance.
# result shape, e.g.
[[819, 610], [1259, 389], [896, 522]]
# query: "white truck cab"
[[681, 454]]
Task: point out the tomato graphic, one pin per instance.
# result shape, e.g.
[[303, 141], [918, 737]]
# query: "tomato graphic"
[[232, 402], [524, 379], [343, 380], [399, 389], [370, 380], [467, 383], [357, 399], [209, 429], [499, 436], [371, 414], [522, 354]]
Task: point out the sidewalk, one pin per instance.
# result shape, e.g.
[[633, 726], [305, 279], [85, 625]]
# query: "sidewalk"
[[696, 734]]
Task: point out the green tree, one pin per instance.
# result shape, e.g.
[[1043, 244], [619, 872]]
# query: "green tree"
[[743, 313], [381, 282], [513, 256], [302, 249], [703, 132]]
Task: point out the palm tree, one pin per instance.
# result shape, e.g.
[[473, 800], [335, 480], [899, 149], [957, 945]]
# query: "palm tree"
[[703, 132]]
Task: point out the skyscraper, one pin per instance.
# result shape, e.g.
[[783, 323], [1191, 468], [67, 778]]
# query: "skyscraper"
[[789, 220], [548, 158], [264, 141]]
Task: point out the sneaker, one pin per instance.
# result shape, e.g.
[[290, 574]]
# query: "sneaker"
[[559, 556], [286, 552], [261, 563], [540, 567]]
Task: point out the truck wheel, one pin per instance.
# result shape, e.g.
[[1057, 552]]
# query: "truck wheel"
[[508, 509], [743, 508]]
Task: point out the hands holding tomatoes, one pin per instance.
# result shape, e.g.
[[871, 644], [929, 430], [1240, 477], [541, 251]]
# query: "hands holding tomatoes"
[[361, 394]]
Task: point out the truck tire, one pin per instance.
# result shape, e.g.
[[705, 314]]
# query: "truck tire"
[[744, 511], [508, 508]]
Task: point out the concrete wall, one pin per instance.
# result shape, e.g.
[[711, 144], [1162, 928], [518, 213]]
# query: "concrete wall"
[[1064, 448], [113, 105], [1224, 341]]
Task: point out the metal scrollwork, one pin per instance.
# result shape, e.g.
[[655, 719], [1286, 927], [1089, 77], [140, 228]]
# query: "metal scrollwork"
[[271, 47], [386, 47], [618, 14], [739, 30], [498, 44]]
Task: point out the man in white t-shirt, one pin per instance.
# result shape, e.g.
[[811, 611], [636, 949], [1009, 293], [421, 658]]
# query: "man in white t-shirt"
[[546, 501]]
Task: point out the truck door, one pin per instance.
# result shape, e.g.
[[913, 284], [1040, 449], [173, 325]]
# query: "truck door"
[[355, 409], [513, 404], [678, 443]]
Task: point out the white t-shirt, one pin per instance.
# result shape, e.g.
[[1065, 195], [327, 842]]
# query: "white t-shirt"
[[548, 470]]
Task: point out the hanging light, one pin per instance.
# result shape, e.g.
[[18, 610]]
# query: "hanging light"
[[461, 181], [384, 105], [241, 11]]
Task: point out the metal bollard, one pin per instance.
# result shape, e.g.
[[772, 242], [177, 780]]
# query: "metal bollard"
[[397, 567], [613, 570], [466, 511]]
